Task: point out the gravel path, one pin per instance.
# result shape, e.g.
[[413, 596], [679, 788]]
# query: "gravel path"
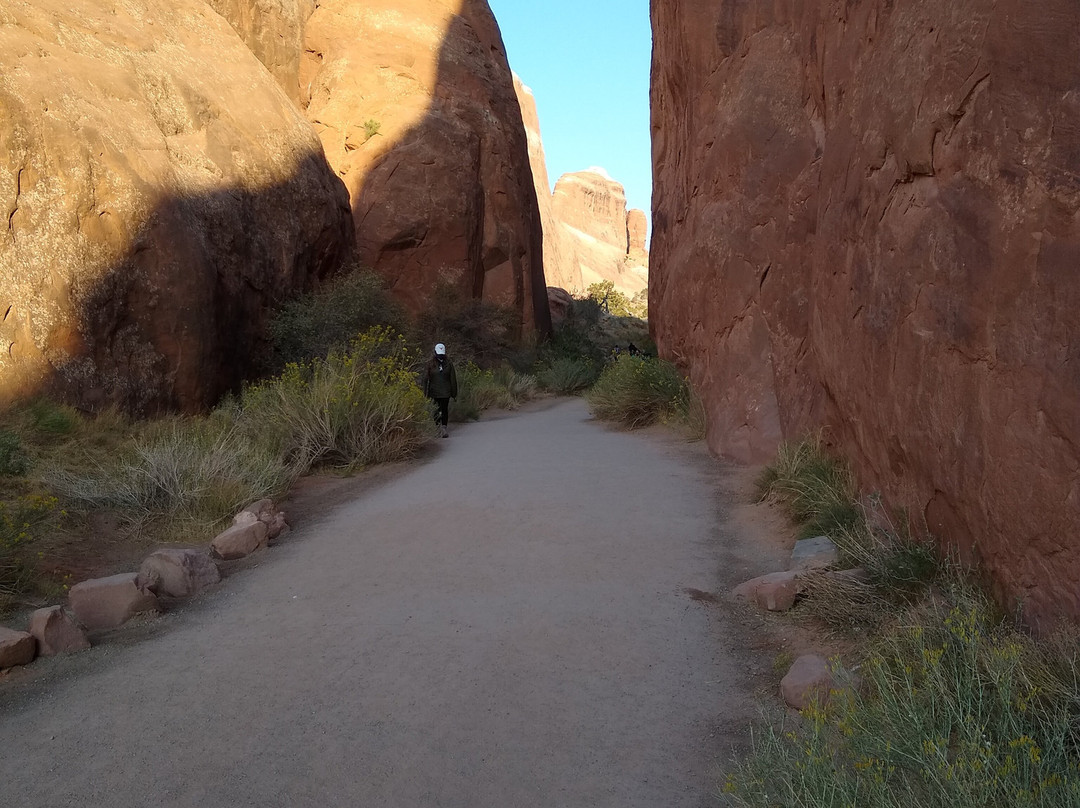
[[508, 624]]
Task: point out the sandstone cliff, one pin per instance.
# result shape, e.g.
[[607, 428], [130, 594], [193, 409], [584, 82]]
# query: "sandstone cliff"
[[865, 217], [159, 192], [589, 207], [415, 106], [559, 270]]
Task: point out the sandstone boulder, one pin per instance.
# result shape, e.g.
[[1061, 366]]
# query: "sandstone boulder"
[[867, 221], [103, 603], [561, 304], [177, 573], [267, 512], [56, 633], [809, 679], [816, 553], [240, 540], [158, 192], [775, 592], [16, 648], [415, 105]]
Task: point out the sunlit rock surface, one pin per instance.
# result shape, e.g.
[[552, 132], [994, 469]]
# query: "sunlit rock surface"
[[415, 105], [159, 193]]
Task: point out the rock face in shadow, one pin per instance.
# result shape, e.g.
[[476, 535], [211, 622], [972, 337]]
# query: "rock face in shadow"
[[415, 105], [159, 192], [865, 217]]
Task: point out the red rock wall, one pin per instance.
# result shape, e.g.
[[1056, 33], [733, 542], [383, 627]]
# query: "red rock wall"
[[443, 186], [865, 217], [159, 193]]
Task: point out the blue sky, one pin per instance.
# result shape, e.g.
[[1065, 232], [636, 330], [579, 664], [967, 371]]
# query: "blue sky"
[[587, 62]]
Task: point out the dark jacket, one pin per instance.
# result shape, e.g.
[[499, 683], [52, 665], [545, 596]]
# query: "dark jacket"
[[440, 380]]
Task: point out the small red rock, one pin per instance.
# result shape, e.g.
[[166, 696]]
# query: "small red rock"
[[56, 632], [240, 540], [177, 573], [16, 648], [775, 592], [808, 679], [109, 602]]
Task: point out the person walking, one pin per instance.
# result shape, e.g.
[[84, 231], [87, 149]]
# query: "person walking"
[[440, 385]]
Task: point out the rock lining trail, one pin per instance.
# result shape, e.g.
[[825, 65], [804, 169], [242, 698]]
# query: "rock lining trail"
[[523, 619]]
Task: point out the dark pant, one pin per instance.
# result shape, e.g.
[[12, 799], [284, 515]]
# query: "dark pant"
[[443, 412]]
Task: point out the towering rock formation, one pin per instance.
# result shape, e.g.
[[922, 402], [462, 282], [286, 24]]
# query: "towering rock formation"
[[415, 106], [590, 209], [866, 217], [159, 192], [559, 270]]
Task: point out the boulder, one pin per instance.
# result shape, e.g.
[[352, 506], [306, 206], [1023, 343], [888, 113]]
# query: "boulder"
[[865, 221], [16, 648], [240, 540], [177, 573], [814, 554], [159, 194], [415, 105], [264, 511], [103, 603], [809, 679], [775, 592], [56, 632], [561, 305]]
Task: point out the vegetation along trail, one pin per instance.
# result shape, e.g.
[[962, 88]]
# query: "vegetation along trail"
[[517, 621]]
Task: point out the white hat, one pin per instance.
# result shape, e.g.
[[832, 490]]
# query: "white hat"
[[440, 349]]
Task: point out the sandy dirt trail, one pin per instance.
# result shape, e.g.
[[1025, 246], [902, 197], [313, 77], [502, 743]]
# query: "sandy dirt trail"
[[504, 625]]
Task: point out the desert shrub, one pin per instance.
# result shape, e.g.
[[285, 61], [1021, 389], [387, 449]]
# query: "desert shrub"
[[13, 459], [817, 491], [21, 522], [609, 299], [473, 330], [190, 471], [350, 409], [329, 318], [52, 420], [479, 390], [957, 709], [637, 391], [568, 376]]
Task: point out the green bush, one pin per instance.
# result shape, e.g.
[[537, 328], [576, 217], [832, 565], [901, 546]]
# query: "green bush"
[[330, 318], [13, 459], [480, 390], [817, 491], [568, 376], [638, 391], [53, 420], [350, 409], [472, 330]]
